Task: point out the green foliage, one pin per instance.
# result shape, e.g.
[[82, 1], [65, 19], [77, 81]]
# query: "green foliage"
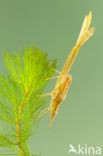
[[19, 104]]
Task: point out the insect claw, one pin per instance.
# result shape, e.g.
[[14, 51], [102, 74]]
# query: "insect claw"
[[54, 77], [43, 112], [43, 95], [57, 71]]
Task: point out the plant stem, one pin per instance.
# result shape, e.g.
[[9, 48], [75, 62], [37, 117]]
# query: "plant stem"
[[18, 124]]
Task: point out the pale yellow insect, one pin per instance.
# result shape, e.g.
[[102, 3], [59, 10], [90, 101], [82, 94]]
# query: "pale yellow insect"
[[59, 93]]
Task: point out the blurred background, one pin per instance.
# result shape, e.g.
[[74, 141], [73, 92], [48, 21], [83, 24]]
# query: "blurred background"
[[54, 26]]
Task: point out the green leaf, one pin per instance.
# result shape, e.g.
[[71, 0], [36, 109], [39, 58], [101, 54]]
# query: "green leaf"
[[19, 103]]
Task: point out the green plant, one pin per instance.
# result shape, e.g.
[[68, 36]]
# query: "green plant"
[[19, 104]]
